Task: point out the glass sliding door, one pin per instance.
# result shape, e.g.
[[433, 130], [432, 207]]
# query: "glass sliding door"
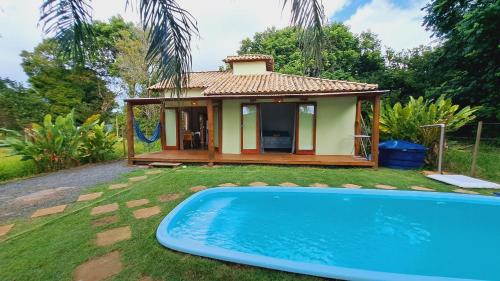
[[171, 128], [249, 128], [306, 128]]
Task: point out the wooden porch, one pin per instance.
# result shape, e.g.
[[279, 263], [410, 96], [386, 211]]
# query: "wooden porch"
[[201, 156]]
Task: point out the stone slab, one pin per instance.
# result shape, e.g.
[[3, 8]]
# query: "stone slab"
[[137, 203], [350, 185], [317, 184], [385, 186], [147, 212], [118, 186], [112, 236], [258, 183], [139, 178], [169, 197], [100, 268], [421, 188], [198, 188], [89, 196], [48, 211], [465, 191], [4, 229], [104, 209], [288, 184], [105, 221], [153, 172], [228, 184]]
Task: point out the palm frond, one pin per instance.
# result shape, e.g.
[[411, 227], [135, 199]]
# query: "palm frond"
[[170, 29], [309, 17], [69, 21]]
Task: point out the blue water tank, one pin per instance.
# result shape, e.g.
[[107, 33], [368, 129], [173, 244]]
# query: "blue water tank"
[[401, 154]]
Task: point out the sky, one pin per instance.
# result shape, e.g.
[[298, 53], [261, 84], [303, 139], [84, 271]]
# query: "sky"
[[222, 25]]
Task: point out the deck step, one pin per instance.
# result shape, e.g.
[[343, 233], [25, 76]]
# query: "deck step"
[[164, 165]]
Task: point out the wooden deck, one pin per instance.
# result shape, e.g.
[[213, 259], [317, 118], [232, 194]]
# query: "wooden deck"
[[201, 156]]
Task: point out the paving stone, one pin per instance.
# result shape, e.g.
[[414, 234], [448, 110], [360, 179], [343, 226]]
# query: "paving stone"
[[105, 221], [154, 172], [350, 185], [112, 236], [136, 179], [198, 188], [288, 184], [89, 196], [118, 185], [316, 184], [4, 229], [169, 197], [384, 186], [48, 211], [461, 190], [137, 203], [146, 212], [228, 184], [104, 209], [258, 183], [99, 268], [421, 188]]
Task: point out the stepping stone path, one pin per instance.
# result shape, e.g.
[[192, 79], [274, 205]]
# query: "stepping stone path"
[[137, 203], [146, 212], [100, 268], [198, 188], [228, 184], [384, 186], [48, 211], [136, 179], [104, 209], [154, 172], [169, 197], [318, 185], [90, 196], [105, 221], [118, 186], [421, 188], [288, 184], [4, 229], [465, 191], [257, 183], [350, 185], [112, 236]]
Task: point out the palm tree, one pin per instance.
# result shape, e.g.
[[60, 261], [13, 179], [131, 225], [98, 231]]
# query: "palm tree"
[[170, 29]]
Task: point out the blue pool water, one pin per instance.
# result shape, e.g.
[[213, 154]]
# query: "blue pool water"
[[342, 233]]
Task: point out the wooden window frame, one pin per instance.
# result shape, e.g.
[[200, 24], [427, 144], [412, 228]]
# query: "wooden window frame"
[[299, 151], [257, 133]]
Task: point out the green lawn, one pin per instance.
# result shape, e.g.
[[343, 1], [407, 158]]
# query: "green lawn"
[[51, 248]]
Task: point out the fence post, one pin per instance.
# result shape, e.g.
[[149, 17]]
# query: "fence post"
[[476, 148]]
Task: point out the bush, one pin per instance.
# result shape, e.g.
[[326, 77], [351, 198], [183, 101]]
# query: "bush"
[[61, 144]]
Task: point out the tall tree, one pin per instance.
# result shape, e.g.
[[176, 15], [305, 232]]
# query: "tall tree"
[[469, 52]]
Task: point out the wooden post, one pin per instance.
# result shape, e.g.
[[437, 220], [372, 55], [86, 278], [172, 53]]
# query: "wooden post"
[[375, 130], [210, 117], [476, 148], [130, 132], [357, 127], [163, 141]]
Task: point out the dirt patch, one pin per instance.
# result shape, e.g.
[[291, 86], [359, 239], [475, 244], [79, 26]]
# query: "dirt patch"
[[100, 268], [112, 236]]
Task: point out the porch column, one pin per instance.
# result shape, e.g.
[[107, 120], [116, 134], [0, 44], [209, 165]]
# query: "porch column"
[[375, 130], [210, 117], [130, 132], [357, 127]]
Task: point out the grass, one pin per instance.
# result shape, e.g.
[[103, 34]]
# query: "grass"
[[458, 159], [51, 248]]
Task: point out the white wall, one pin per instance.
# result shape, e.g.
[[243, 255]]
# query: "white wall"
[[250, 67]]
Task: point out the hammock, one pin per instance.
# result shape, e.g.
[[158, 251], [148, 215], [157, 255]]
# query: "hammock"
[[140, 135]]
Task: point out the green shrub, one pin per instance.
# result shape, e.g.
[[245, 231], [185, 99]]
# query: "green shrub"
[[61, 144]]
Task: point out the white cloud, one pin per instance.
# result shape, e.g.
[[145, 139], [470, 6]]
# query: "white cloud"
[[398, 28]]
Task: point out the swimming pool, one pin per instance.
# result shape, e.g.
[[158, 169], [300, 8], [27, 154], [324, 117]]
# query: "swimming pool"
[[342, 233]]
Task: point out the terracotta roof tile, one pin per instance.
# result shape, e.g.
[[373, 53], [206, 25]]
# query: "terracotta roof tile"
[[201, 79]]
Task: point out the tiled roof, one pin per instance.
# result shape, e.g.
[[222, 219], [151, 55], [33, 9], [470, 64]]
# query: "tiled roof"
[[202, 79], [276, 83], [252, 57]]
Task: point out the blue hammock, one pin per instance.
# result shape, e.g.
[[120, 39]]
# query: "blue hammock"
[[140, 135]]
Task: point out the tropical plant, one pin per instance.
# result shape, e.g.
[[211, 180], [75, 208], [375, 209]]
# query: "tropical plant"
[[97, 143], [404, 122], [170, 29]]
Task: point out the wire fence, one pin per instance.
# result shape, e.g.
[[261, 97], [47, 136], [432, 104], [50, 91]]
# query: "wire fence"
[[475, 150]]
